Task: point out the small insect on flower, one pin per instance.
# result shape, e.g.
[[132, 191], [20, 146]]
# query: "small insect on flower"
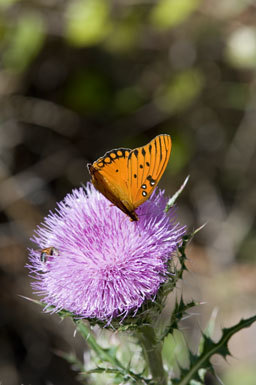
[[48, 251]]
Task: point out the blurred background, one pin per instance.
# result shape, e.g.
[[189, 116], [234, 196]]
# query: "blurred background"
[[80, 77]]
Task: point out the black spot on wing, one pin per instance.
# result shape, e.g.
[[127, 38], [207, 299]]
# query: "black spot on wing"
[[151, 180], [135, 152], [112, 156]]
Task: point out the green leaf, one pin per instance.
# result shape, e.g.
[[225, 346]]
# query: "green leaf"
[[209, 349], [209, 330], [124, 377], [170, 13], [175, 351], [105, 355], [178, 313]]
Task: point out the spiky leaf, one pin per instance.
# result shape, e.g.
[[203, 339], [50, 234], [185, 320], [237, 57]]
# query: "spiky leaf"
[[209, 349], [179, 312]]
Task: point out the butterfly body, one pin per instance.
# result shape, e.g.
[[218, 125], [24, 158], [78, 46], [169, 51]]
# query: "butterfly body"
[[127, 177]]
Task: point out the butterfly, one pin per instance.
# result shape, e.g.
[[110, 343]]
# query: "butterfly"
[[49, 251], [127, 177]]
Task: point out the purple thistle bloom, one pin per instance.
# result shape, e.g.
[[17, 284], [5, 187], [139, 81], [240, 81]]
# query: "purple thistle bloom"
[[105, 265]]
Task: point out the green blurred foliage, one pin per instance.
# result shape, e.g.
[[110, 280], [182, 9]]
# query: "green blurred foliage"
[[181, 154], [175, 351], [128, 99], [170, 13], [234, 95], [23, 42], [6, 3], [87, 21], [180, 92], [88, 92], [246, 253], [123, 36]]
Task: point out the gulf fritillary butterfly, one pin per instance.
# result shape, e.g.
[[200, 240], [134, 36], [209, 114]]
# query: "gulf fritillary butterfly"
[[128, 177]]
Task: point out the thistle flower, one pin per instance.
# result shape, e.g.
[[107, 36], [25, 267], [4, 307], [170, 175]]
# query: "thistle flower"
[[103, 265]]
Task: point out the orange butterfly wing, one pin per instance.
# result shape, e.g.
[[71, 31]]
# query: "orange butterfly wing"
[[110, 176], [127, 178], [146, 166]]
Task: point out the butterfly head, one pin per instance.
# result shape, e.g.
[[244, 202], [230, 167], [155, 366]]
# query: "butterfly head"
[[90, 168]]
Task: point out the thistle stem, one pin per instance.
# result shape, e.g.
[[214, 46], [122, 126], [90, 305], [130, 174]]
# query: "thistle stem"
[[104, 355], [153, 354]]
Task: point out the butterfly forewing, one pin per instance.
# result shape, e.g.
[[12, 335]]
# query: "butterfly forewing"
[[110, 177], [146, 166]]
